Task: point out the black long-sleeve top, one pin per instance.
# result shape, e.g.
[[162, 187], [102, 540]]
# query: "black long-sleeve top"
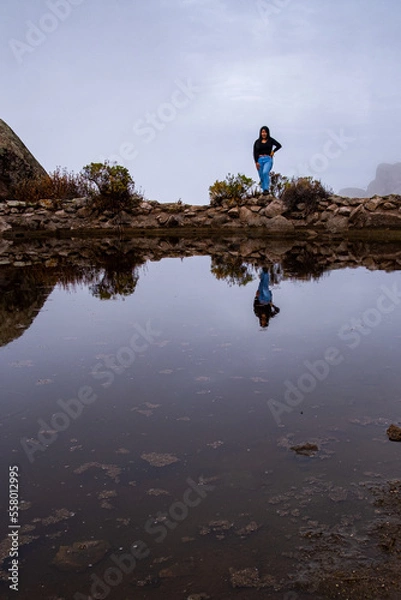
[[260, 148]]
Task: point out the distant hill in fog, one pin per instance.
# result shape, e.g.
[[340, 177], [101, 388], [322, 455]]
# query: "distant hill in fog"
[[387, 181]]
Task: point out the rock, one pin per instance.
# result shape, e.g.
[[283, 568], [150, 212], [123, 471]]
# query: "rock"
[[385, 219], [250, 578], [81, 555], [16, 161], [373, 204], [201, 596], [145, 207], [175, 221], [149, 581], [245, 214], [4, 225], [181, 569], [344, 210], [217, 527], [394, 433], [218, 220], [233, 213], [123, 218], [252, 527], [338, 494], [279, 224], [387, 180], [159, 460], [353, 192], [337, 223], [274, 209], [307, 449], [249, 217], [15, 204]]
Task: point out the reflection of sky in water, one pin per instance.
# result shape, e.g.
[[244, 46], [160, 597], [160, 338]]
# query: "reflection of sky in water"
[[206, 322], [210, 372]]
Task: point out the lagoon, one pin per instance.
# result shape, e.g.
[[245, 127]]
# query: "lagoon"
[[149, 408]]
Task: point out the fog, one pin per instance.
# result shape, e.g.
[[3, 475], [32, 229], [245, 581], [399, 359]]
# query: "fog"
[[176, 90]]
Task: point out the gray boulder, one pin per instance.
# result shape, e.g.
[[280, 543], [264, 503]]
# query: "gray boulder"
[[16, 161], [387, 181], [353, 192]]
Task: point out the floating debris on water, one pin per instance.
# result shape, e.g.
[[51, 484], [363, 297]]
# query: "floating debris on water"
[[307, 449], [159, 460], [250, 578], [81, 555], [157, 492], [112, 471]]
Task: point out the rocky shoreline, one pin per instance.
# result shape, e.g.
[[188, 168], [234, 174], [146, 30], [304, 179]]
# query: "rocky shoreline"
[[336, 216]]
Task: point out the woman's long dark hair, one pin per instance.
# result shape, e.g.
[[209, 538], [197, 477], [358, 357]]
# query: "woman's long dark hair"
[[261, 129]]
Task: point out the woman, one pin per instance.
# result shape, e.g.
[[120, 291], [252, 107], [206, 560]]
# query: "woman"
[[263, 152]]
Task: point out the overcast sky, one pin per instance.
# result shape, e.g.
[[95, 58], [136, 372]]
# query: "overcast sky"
[[176, 90]]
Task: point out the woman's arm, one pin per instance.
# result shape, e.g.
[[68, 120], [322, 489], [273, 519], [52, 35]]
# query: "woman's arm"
[[256, 151], [276, 146]]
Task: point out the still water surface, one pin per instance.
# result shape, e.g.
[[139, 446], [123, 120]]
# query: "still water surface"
[[169, 362]]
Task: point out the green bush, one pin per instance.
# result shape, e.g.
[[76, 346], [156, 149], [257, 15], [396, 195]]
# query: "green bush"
[[305, 190], [232, 190], [110, 187]]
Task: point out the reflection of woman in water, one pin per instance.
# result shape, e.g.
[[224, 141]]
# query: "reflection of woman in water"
[[263, 306]]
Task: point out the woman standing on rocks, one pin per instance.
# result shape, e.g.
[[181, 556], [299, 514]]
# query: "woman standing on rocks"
[[263, 152]]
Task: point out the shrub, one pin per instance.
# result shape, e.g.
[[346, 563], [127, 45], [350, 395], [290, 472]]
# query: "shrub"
[[58, 185], [305, 190], [110, 187], [232, 190], [277, 184]]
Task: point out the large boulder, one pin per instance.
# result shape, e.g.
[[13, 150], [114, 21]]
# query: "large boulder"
[[279, 224], [352, 192], [16, 161], [275, 209], [387, 181]]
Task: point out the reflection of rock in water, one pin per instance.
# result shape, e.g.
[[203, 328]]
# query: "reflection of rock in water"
[[22, 295]]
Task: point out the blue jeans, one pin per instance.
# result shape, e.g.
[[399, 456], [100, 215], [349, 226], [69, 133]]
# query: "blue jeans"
[[266, 163]]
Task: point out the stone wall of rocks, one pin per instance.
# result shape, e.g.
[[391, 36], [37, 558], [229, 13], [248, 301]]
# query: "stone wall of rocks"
[[333, 216]]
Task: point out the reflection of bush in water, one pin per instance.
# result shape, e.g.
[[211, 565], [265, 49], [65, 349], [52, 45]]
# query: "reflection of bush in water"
[[234, 270], [114, 283], [303, 265], [115, 276]]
